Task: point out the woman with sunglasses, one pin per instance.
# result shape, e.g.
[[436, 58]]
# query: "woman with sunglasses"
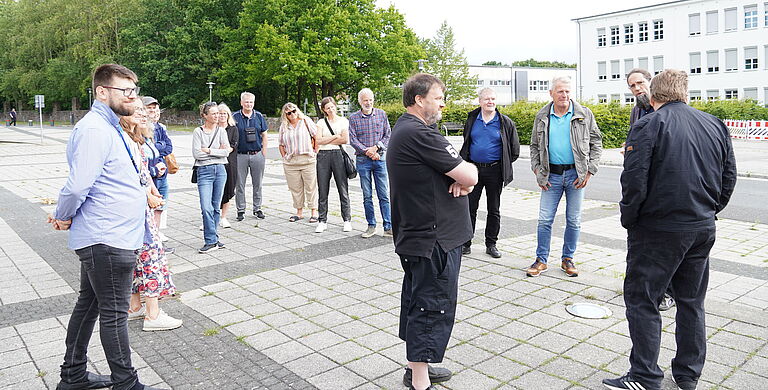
[[151, 277], [298, 148], [332, 133], [210, 148], [226, 121]]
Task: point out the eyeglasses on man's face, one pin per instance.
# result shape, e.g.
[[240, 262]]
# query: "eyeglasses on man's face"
[[127, 92]]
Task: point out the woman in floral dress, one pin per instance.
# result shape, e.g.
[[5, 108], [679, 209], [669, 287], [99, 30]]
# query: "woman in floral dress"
[[151, 278]]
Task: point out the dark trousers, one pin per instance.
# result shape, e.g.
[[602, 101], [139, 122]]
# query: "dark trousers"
[[428, 303], [656, 260], [332, 162], [105, 290], [490, 179]]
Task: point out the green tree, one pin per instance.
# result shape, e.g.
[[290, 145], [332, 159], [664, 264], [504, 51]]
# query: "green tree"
[[542, 64], [494, 63], [449, 64], [318, 47]]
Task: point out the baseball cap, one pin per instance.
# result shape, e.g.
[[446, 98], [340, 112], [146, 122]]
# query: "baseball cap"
[[147, 100]]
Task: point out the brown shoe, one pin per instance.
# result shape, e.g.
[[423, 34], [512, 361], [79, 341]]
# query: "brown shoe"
[[568, 267], [536, 268]]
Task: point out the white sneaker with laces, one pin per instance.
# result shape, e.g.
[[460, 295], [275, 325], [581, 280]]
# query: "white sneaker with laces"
[[162, 322], [321, 226], [224, 222], [138, 314], [347, 226]]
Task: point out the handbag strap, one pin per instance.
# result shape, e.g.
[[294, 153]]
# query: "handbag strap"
[[325, 118], [215, 134]]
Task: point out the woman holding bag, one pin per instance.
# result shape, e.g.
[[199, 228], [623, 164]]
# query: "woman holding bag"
[[299, 149], [332, 133], [210, 148]]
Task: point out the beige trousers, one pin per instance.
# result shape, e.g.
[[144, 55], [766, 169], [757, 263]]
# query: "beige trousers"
[[301, 175]]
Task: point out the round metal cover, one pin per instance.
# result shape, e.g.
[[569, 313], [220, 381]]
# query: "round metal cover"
[[588, 310]]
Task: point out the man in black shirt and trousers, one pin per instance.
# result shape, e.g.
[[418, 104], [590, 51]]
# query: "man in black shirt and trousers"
[[679, 172], [430, 220]]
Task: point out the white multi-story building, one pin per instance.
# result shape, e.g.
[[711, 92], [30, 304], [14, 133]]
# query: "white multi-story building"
[[722, 44], [513, 83]]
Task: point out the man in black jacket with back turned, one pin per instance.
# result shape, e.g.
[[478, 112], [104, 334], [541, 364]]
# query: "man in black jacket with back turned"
[[492, 144], [679, 172]]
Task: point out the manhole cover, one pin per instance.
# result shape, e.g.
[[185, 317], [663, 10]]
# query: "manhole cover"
[[588, 310]]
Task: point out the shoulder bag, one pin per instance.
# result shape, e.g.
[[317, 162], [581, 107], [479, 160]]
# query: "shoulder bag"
[[349, 165]]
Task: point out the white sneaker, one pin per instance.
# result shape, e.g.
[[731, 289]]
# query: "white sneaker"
[[162, 322], [162, 236], [138, 314], [321, 226], [347, 226], [224, 223]]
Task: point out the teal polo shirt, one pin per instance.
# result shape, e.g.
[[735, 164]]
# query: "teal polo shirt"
[[560, 151]]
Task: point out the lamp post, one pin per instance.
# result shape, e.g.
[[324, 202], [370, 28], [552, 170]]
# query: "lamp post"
[[90, 98], [210, 90]]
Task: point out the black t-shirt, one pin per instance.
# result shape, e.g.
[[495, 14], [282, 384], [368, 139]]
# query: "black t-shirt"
[[423, 212]]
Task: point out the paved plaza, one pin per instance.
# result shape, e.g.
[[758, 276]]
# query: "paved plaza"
[[285, 308]]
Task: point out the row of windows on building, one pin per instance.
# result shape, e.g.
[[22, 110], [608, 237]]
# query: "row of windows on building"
[[695, 59], [693, 95], [629, 33], [730, 18], [533, 85]]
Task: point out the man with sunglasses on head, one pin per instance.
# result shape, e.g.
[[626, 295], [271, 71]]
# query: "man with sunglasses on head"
[[251, 153], [102, 205]]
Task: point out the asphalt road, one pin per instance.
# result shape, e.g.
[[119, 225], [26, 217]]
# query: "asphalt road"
[[749, 201]]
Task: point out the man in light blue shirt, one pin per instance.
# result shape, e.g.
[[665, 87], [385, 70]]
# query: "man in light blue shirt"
[[565, 151], [103, 206]]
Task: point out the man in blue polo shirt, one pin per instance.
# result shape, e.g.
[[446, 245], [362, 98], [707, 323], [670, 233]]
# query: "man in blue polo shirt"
[[251, 153], [565, 150], [492, 144]]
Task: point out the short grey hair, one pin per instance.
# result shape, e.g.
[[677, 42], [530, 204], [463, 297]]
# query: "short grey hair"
[[485, 92], [246, 94], [559, 80], [364, 91]]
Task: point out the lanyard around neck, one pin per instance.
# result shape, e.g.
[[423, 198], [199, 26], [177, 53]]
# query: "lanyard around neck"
[[127, 149]]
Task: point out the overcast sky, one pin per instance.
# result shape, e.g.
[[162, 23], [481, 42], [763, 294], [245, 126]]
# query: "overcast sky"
[[508, 30]]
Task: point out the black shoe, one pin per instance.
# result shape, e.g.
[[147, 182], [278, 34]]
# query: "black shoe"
[[140, 386], [626, 382], [436, 375], [685, 385], [667, 302], [465, 250], [240, 215], [220, 244], [92, 381], [491, 250], [259, 214], [207, 248]]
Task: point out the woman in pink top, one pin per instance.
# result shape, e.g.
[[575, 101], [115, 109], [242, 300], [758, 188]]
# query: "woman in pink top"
[[299, 151]]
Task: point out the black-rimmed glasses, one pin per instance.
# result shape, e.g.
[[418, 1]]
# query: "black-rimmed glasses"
[[127, 92]]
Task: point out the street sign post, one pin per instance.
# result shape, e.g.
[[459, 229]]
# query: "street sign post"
[[40, 104]]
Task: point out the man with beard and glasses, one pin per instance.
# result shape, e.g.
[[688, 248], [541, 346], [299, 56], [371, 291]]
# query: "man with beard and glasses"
[[102, 205], [430, 221], [639, 83]]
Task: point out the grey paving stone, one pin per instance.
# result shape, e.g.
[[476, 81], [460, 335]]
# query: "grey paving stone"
[[736, 341], [745, 380], [542, 320], [378, 340], [725, 355], [232, 317], [353, 329], [13, 358], [287, 352], [487, 320], [471, 379], [494, 342], [345, 352], [374, 366], [528, 355], [467, 355], [247, 328], [501, 368], [321, 340], [538, 380], [572, 369], [337, 378], [266, 339], [300, 329], [519, 330], [553, 342]]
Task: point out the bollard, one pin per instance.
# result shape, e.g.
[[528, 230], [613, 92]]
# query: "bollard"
[[30, 122]]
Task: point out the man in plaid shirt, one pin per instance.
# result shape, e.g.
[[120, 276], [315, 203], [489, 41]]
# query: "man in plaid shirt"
[[369, 133]]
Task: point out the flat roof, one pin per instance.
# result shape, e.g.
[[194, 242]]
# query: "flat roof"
[[630, 9]]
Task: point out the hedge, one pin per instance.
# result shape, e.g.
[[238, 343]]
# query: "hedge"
[[612, 119]]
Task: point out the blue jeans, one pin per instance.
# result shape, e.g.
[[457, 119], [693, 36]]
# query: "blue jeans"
[[377, 170], [210, 186], [162, 187], [105, 289], [548, 208]]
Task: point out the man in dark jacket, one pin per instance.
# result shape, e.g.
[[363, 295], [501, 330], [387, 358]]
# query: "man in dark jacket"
[[639, 82], [679, 171], [492, 144]]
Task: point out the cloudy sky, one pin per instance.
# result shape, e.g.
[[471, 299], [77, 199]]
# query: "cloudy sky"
[[508, 30]]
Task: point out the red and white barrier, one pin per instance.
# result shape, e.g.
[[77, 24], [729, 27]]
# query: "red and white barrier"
[[748, 130]]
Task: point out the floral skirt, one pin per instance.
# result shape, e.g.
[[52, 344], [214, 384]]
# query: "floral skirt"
[[151, 276]]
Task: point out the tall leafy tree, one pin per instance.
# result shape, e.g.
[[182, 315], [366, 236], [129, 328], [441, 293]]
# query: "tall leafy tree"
[[318, 47], [449, 64], [542, 64]]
